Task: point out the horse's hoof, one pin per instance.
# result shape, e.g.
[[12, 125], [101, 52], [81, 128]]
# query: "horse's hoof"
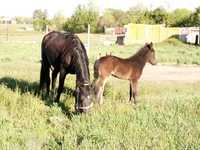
[[56, 101]]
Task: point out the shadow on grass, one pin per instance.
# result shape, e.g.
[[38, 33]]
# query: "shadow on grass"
[[26, 87]]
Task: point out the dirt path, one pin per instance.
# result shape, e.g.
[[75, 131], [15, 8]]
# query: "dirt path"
[[171, 73]]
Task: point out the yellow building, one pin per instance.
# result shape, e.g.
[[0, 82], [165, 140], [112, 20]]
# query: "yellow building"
[[141, 33]]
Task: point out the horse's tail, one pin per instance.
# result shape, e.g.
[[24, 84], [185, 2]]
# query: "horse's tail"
[[45, 69]]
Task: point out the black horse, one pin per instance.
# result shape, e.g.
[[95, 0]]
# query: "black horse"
[[65, 53]]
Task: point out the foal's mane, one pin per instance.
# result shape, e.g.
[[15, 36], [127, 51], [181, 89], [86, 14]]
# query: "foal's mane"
[[141, 52]]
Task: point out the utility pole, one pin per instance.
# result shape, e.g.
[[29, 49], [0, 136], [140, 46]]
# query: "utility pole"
[[7, 30], [88, 40], [199, 35]]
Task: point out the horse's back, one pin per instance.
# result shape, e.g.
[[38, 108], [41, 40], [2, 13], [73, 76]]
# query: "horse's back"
[[53, 41], [53, 46]]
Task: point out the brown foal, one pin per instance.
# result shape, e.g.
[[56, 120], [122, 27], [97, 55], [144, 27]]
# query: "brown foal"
[[128, 69]]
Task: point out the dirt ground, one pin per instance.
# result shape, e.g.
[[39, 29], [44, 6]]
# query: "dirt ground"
[[178, 73]]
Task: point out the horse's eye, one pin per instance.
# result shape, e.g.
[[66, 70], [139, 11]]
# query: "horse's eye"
[[76, 49]]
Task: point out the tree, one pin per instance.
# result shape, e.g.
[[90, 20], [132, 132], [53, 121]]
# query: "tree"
[[23, 20], [59, 20], [179, 17], [107, 19], [139, 14], [82, 16], [159, 15], [40, 20], [195, 17], [115, 17]]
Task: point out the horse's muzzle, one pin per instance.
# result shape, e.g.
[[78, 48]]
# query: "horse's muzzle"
[[84, 109]]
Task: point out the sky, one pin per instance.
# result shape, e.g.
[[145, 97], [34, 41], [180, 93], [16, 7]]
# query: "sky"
[[13, 8]]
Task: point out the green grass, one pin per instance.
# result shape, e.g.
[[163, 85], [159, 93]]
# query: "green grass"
[[162, 120], [166, 117], [171, 51]]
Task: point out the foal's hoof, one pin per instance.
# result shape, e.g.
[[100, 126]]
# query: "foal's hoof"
[[100, 102], [133, 102]]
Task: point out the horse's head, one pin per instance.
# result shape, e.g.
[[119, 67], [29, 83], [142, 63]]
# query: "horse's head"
[[150, 56], [83, 88], [83, 98]]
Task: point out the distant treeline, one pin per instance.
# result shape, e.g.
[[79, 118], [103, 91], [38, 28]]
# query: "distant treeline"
[[85, 14]]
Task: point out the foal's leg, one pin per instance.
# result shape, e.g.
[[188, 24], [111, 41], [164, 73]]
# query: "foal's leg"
[[130, 93], [134, 90], [101, 96], [99, 88], [61, 83]]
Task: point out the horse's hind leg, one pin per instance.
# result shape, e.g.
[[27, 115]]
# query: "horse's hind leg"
[[61, 83], [134, 91], [48, 81], [54, 76], [44, 77]]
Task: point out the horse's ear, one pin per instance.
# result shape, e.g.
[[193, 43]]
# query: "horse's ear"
[[74, 42]]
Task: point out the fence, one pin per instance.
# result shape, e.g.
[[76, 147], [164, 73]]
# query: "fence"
[[21, 33], [140, 33]]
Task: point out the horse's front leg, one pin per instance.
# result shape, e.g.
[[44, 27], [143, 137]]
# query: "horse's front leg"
[[134, 87], [61, 83]]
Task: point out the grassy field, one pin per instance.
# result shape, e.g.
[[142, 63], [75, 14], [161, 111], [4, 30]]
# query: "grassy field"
[[167, 116]]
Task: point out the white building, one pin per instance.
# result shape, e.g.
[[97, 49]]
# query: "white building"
[[190, 35]]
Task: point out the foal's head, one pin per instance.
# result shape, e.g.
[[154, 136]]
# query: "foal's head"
[[150, 53]]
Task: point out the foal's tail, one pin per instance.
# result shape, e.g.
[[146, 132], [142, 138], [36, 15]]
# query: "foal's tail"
[[96, 75], [96, 69]]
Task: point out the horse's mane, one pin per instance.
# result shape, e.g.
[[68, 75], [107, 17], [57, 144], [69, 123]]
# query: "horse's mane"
[[83, 49], [72, 35], [86, 56], [68, 34]]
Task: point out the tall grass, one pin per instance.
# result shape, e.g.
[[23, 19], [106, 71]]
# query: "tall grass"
[[163, 119]]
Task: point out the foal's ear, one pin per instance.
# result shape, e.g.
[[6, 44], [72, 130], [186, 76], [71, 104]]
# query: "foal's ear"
[[150, 45]]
